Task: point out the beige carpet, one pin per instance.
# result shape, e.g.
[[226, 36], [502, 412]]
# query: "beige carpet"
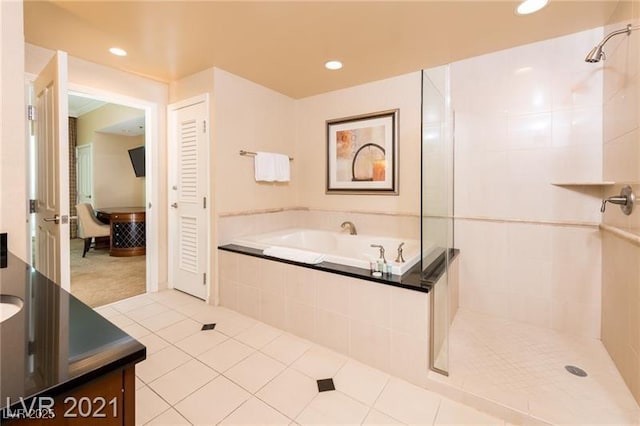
[[99, 279]]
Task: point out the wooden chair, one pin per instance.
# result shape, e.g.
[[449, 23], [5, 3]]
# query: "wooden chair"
[[90, 227]]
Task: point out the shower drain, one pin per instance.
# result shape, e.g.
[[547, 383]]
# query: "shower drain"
[[576, 371]]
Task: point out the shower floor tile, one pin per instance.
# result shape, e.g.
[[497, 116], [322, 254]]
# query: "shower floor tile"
[[523, 367]]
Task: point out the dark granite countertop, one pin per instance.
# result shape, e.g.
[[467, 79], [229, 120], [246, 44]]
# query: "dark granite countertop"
[[55, 342], [410, 280]]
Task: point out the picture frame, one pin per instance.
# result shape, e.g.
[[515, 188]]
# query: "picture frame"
[[363, 154]]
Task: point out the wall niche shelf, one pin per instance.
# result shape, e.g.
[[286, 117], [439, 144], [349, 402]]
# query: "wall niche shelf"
[[591, 184]]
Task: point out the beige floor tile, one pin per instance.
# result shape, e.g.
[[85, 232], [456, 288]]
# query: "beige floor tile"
[[153, 343], [189, 308], [146, 311], [375, 417], [179, 330], [454, 413], [319, 363], [255, 371], [161, 320], [408, 403], [201, 342], [360, 381], [160, 363], [290, 392], [169, 418], [334, 408], [226, 355], [107, 311], [173, 298], [212, 402], [234, 324], [121, 320], [148, 405], [182, 381], [139, 383], [255, 412], [286, 348], [132, 303], [258, 335], [136, 330]]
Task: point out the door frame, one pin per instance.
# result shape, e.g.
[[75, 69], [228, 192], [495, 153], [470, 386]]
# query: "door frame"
[[152, 180], [171, 174]]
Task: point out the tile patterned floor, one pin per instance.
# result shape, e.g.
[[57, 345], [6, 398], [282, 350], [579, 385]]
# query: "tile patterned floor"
[[522, 366], [246, 372]]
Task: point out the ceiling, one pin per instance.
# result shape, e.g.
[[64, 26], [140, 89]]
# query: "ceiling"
[[80, 105], [283, 45], [132, 127]]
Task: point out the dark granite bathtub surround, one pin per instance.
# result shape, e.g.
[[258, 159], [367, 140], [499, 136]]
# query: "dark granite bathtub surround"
[[3, 250], [55, 342], [412, 279]]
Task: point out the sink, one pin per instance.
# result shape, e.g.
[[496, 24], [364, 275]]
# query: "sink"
[[9, 306]]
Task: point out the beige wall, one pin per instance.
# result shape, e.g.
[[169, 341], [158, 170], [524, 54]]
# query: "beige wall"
[[251, 117], [621, 256], [401, 92], [105, 116], [114, 181], [525, 118], [13, 152]]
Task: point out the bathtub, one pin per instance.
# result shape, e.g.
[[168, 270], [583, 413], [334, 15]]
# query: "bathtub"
[[337, 247]]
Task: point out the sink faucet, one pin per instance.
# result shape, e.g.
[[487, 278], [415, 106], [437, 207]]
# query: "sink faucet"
[[350, 226]]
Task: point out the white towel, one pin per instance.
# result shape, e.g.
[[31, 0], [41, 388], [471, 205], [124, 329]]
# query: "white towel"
[[297, 255], [272, 167]]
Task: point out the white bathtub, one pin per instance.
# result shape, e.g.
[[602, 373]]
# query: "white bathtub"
[[342, 248]]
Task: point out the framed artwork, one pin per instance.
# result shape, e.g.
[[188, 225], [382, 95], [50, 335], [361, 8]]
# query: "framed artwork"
[[362, 154]]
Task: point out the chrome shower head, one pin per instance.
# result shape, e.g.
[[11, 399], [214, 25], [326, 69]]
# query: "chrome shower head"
[[596, 54]]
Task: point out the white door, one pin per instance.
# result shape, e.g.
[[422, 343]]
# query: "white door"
[[189, 187], [52, 175], [84, 173]]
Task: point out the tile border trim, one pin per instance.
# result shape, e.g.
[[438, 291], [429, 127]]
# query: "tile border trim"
[[627, 235]]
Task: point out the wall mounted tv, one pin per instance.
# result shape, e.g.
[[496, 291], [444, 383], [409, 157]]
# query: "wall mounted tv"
[[137, 160]]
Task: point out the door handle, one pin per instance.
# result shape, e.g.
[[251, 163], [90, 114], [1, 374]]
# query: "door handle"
[[55, 219], [88, 196], [174, 205]]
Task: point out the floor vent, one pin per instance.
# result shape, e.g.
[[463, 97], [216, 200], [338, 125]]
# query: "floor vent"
[[576, 371]]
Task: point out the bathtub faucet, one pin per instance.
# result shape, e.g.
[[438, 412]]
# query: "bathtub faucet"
[[378, 246], [351, 226], [400, 258]]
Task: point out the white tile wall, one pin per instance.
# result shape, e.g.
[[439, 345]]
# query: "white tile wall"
[[527, 117], [383, 326], [540, 274], [405, 225]]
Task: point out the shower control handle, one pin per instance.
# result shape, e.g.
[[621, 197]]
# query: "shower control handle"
[[625, 200]]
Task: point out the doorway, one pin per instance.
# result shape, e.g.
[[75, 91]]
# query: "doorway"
[[107, 173]]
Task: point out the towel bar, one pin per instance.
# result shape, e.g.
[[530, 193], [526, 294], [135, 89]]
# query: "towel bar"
[[253, 154]]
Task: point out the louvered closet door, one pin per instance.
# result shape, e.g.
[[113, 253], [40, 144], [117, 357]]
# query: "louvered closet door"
[[188, 212]]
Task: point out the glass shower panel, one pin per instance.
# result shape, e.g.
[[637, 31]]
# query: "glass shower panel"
[[437, 206]]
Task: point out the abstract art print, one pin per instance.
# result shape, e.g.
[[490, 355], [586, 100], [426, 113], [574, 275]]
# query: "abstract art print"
[[362, 154]]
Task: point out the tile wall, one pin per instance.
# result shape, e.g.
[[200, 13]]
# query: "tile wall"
[[525, 118], [621, 257], [235, 225], [383, 326]]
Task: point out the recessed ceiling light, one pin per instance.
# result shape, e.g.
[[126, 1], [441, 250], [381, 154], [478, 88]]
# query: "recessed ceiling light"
[[117, 51], [333, 65], [530, 6]]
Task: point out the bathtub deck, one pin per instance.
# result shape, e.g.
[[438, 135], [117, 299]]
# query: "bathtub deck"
[[411, 280]]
